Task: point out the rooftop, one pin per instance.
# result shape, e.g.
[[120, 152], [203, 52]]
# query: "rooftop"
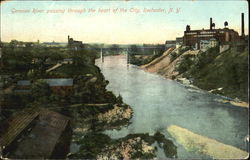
[[41, 140], [23, 83], [52, 82], [60, 82]]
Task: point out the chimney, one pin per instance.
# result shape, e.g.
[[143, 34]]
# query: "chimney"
[[242, 24], [211, 22]]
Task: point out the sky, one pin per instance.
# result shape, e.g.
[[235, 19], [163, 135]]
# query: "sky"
[[55, 21]]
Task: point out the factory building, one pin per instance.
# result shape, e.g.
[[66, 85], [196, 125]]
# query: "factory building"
[[207, 38], [73, 44]]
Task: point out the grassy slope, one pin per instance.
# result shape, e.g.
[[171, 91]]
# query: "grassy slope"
[[229, 71]]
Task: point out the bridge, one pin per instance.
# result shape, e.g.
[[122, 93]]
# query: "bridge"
[[127, 50]]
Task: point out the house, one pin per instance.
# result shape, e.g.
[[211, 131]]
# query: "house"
[[36, 134], [60, 86]]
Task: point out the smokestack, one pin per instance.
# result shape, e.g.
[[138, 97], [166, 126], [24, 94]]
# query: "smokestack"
[[211, 22], [242, 25]]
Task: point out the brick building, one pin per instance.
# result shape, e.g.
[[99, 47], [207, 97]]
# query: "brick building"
[[223, 36], [74, 45]]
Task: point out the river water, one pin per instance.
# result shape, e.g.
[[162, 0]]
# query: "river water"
[[158, 102]]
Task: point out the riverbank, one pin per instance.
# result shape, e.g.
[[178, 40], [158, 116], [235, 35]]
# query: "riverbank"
[[78, 93], [197, 143], [133, 146], [223, 73], [158, 103], [235, 102], [94, 109]]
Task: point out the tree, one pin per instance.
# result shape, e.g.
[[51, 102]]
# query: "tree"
[[133, 50], [41, 91], [114, 49]]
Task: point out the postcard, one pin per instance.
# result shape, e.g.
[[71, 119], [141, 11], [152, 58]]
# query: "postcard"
[[124, 79]]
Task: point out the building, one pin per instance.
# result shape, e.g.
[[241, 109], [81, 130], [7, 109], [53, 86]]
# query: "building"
[[179, 42], [206, 44], [67, 61], [170, 43], [22, 87], [60, 86], [73, 44], [35, 134], [54, 44], [194, 38], [213, 43]]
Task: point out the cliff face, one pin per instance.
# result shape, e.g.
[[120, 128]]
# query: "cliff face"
[[224, 73]]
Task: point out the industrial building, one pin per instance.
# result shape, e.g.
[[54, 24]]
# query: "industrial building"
[[73, 44], [207, 38]]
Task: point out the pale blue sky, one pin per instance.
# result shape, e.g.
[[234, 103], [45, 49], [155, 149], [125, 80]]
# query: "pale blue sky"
[[112, 27]]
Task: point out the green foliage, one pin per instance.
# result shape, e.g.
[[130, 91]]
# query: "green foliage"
[[169, 148], [205, 58], [173, 56], [133, 50], [185, 63], [91, 145], [141, 56], [113, 50], [228, 70], [119, 99], [181, 50], [41, 91], [22, 57]]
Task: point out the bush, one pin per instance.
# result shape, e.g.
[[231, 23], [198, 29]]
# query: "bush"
[[185, 63], [41, 91], [173, 56]]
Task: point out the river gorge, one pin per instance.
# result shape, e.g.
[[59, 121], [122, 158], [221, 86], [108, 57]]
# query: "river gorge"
[[160, 103]]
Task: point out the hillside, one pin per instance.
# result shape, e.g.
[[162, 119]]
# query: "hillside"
[[158, 63], [228, 71], [223, 73]]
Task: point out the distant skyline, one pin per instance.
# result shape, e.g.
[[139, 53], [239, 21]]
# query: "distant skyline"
[[115, 28]]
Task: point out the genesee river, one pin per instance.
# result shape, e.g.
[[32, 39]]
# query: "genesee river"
[[158, 103]]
